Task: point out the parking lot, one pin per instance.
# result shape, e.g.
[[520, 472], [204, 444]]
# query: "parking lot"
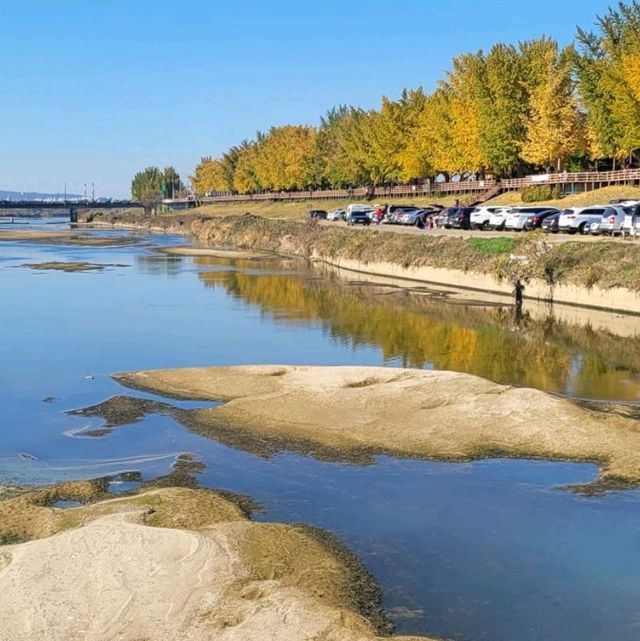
[[470, 233]]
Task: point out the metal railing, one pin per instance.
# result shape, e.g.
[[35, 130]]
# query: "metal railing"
[[437, 188]]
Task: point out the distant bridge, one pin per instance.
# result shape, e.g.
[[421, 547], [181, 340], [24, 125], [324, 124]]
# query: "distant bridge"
[[75, 204]]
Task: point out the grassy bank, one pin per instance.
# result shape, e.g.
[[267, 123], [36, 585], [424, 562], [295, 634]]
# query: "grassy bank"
[[299, 208], [585, 199], [605, 264]]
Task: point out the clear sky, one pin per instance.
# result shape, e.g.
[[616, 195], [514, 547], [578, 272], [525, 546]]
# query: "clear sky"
[[93, 90]]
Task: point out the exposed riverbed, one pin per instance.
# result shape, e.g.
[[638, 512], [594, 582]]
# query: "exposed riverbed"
[[494, 549]]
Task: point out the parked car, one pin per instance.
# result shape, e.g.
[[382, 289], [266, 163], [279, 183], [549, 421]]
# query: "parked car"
[[610, 223], [550, 223], [579, 219], [459, 218], [536, 221], [414, 217], [320, 214], [441, 218], [498, 218], [394, 212], [631, 224], [338, 214], [359, 214], [518, 216], [480, 217]]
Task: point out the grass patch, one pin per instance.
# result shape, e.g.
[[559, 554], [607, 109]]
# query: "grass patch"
[[492, 246]]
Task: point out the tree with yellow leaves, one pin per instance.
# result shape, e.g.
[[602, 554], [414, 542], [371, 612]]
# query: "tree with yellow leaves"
[[555, 129]]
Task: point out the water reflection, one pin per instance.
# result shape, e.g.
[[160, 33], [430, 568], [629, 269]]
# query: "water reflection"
[[422, 328]]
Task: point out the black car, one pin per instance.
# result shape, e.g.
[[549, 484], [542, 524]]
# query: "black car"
[[536, 221], [550, 223], [318, 213], [458, 217]]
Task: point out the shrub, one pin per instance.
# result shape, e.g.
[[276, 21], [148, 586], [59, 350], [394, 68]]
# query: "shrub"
[[492, 245], [537, 193]]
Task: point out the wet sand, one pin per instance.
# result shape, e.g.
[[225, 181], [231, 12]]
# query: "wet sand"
[[174, 563], [417, 413], [66, 238], [70, 266]]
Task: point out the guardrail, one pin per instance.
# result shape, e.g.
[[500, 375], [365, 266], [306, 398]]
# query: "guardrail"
[[434, 188], [462, 187], [584, 177]]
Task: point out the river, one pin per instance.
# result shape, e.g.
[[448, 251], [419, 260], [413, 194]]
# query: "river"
[[492, 550]]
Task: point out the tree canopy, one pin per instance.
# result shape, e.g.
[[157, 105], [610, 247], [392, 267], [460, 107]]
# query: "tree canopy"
[[509, 111]]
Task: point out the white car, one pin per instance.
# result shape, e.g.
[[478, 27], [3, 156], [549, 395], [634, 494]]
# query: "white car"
[[498, 218], [480, 217], [611, 222], [631, 224], [579, 219], [518, 217], [338, 214]]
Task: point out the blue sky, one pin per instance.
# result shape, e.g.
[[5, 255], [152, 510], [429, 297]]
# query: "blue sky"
[[93, 90]]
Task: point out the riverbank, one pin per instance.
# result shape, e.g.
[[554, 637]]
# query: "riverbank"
[[174, 563], [602, 275], [347, 412]]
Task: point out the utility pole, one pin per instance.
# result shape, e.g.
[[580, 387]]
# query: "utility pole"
[[85, 191], [65, 192], [93, 192]]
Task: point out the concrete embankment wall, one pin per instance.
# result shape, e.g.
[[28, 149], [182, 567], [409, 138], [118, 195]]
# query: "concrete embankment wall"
[[616, 298], [360, 251]]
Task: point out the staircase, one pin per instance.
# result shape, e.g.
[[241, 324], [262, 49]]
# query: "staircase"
[[490, 193]]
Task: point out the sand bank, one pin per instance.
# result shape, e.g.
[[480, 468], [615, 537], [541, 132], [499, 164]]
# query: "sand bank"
[[418, 413], [213, 252], [62, 266], [172, 563], [66, 238]]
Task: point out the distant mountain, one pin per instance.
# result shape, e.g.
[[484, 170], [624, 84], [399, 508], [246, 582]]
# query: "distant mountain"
[[17, 196]]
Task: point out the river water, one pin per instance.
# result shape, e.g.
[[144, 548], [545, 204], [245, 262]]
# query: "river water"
[[494, 550]]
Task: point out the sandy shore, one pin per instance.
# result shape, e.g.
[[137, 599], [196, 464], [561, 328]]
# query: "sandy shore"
[[418, 413], [169, 564]]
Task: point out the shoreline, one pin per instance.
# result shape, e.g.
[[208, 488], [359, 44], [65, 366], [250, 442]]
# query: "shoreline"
[[344, 249]]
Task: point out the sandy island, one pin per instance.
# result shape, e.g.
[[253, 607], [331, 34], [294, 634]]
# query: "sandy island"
[[215, 253], [417, 413], [173, 563], [66, 238], [62, 266]]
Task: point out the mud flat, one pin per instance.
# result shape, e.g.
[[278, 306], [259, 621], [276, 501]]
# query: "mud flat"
[[66, 238], [174, 563], [62, 266], [417, 413]]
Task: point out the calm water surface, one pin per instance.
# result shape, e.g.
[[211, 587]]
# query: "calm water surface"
[[493, 550]]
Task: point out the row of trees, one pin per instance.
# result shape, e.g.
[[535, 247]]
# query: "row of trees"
[[505, 112], [155, 184]]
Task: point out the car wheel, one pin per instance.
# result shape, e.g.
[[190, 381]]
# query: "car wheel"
[[583, 228], [485, 226]]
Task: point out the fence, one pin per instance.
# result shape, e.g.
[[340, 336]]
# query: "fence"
[[479, 187]]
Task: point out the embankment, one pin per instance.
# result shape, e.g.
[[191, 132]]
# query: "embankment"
[[603, 274]]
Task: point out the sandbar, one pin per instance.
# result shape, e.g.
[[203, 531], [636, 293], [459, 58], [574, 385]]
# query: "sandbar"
[[173, 563], [214, 253], [407, 412]]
